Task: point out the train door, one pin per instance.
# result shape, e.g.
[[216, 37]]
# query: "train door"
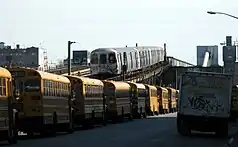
[[136, 60], [125, 63]]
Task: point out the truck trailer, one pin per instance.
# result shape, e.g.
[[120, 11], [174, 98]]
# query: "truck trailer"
[[204, 103]]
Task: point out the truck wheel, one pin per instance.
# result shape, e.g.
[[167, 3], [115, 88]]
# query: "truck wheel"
[[182, 128]]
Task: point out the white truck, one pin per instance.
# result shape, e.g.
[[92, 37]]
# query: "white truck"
[[204, 103]]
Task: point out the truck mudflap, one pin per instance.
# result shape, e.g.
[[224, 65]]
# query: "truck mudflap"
[[186, 123]]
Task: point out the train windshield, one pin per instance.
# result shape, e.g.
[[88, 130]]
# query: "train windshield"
[[32, 85], [112, 58], [94, 59], [103, 59]]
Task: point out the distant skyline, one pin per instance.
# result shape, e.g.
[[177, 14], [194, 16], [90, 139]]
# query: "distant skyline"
[[182, 24]]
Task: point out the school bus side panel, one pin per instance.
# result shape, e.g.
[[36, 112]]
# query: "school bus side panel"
[[153, 99], [110, 96], [56, 98], [93, 101], [123, 100], [165, 99]]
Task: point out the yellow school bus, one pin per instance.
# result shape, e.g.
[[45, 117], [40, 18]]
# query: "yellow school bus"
[[118, 100], [43, 101], [151, 100], [163, 99], [138, 97], [88, 103], [172, 99], [8, 130]]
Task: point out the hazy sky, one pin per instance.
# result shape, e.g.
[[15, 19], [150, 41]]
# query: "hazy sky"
[[182, 24]]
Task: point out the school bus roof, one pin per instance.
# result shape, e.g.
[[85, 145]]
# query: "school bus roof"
[[138, 85], [54, 77], [118, 84], [4, 73], [86, 80], [172, 89], [151, 87], [44, 75], [164, 89]]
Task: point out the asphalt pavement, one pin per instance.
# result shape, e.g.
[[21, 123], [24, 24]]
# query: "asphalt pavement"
[[151, 132]]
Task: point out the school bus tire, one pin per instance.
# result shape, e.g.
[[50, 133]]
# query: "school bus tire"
[[12, 139], [104, 118], [55, 121]]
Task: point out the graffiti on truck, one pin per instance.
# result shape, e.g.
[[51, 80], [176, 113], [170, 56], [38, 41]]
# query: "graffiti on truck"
[[209, 105]]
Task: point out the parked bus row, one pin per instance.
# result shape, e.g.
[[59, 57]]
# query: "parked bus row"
[[33, 101]]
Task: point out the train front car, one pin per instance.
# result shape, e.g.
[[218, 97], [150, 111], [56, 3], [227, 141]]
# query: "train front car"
[[88, 103], [108, 62], [8, 130], [118, 100], [104, 63], [42, 102]]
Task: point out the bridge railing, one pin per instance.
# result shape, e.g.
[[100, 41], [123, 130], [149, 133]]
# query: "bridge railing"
[[141, 75]]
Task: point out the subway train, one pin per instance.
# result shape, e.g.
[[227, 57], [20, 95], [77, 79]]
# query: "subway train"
[[46, 103], [110, 61]]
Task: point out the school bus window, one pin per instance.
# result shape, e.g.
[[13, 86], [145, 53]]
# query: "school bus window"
[[32, 85], [4, 86], [1, 86], [55, 88]]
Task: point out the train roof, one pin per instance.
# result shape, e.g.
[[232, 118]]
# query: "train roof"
[[44, 75], [5, 73], [118, 84], [138, 85], [86, 80], [126, 49]]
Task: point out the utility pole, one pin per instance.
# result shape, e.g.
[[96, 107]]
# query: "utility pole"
[[69, 58]]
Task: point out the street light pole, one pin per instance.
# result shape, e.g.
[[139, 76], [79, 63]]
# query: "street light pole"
[[69, 54], [211, 12]]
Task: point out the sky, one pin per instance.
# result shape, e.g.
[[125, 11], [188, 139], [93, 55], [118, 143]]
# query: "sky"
[[181, 24]]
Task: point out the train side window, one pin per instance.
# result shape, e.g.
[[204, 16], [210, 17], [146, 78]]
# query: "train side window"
[[112, 58]]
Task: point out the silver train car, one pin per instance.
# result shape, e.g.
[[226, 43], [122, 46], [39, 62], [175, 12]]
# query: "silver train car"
[[109, 61]]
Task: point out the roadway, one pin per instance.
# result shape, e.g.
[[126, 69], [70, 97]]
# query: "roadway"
[[150, 132]]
